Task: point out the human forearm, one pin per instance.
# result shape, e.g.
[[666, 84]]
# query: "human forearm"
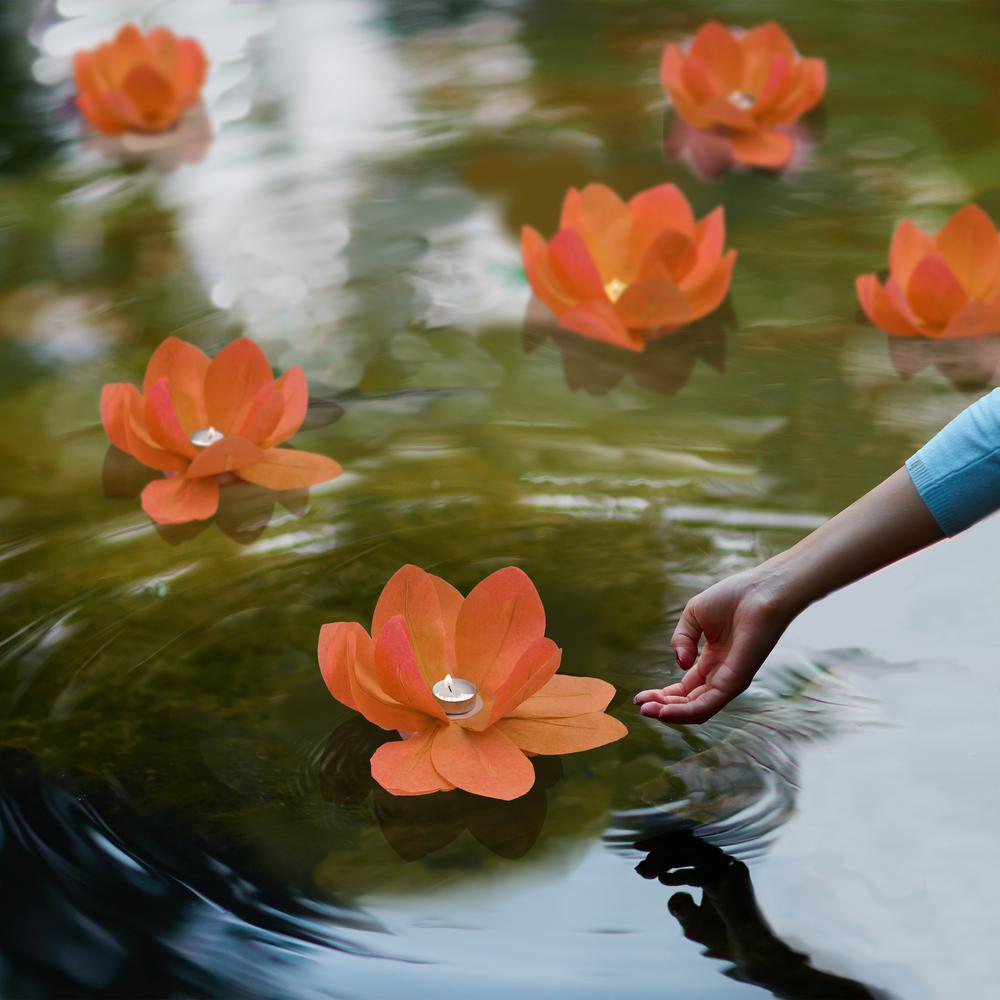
[[890, 522]]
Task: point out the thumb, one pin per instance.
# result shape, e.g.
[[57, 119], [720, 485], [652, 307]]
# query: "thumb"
[[685, 638]]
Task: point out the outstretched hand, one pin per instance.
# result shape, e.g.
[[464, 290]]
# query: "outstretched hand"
[[741, 619]]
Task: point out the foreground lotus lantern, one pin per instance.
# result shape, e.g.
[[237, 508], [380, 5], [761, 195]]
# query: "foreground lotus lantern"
[[139, 82], [946, 285], [208, 422], [749, 86], [625, 273], [424, 631]]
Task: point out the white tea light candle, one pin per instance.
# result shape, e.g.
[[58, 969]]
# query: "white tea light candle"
[[455, 695]]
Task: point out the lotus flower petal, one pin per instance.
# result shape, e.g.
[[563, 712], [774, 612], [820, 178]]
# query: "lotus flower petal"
[[499, 620], [484, 763], [533, 670], [933, 291], [184, 367], [880, 309], [398, 671], [287, 469], [178, 500], [228, 455], [235, 376], [715, 46], [294, 392], [763, 149], [563, 695], [910, 245], [563, 735], [598, 320], [406, 768], [415, 596], [969, 244]]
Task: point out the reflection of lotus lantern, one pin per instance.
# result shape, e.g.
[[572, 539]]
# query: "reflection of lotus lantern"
[[625, 273], [139, 82], [749, 87], [422, 630], [208, 422], [941, 286]]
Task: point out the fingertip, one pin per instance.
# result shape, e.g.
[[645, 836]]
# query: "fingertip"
[[650, 710], [644, 696]]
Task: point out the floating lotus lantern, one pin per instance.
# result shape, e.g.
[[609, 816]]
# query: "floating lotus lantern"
[[746, 87], [207, 423], [624, 273], [139, 83], [470, 683], [942, 286]]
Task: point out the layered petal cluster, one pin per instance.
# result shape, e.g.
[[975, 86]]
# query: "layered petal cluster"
[[943, 286], [624, 273], [139, 82], [422, 630], [750, 86], [207, 421]]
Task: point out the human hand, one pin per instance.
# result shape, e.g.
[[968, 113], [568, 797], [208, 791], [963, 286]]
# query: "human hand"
[[741, 619]]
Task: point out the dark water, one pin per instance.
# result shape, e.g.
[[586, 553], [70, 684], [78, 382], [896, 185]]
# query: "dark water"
[[185, 812]]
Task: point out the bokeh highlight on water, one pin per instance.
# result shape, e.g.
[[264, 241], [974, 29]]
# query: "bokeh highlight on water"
[[184, 809]]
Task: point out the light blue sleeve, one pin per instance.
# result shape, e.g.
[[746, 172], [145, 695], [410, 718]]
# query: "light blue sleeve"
[[957, 473]]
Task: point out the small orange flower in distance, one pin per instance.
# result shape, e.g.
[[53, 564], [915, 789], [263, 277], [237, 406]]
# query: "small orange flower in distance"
[[625, 273], [137, 82], [424, 631], [206, 422], [750, 85], [943, 286]]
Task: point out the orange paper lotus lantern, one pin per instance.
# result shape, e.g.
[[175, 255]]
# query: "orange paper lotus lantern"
[[470, 683], [943, 286], [624, 273], [139, 82], [750, 86], [207, 422]]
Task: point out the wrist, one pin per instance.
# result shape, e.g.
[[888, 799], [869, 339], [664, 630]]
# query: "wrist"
[[784, 584]]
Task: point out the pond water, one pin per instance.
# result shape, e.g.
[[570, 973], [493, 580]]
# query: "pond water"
[[184, 811]]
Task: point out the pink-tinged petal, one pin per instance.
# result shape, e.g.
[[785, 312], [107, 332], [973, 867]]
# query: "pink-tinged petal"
[[672, 78], [974, 319], [709, 295], [655, 210], [773, 90], [288, 469], [152, 96], [715, 47], [140, 443], [499, 620], [405, 767], [573, 266], [721, 112], [346, 651], [126, 51], [485, 763], [879, 308], [398, 672], [230, 454], [190, 70], [178, 500], [770, 150], [602, 221], [337, 653], [709, 238], [294, 391], [933, 292], [263, 415], [908, 248], [764, 46], [563, 735], [653, 302], [541, 277], [564, 696], [535, 668], [232, 382], [598, 320], [968, 242], [114, 412], [184, 367], [413, 594], [163, 423]]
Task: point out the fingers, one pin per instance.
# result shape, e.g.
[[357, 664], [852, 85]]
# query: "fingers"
[[685, 638], [697, 707]]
